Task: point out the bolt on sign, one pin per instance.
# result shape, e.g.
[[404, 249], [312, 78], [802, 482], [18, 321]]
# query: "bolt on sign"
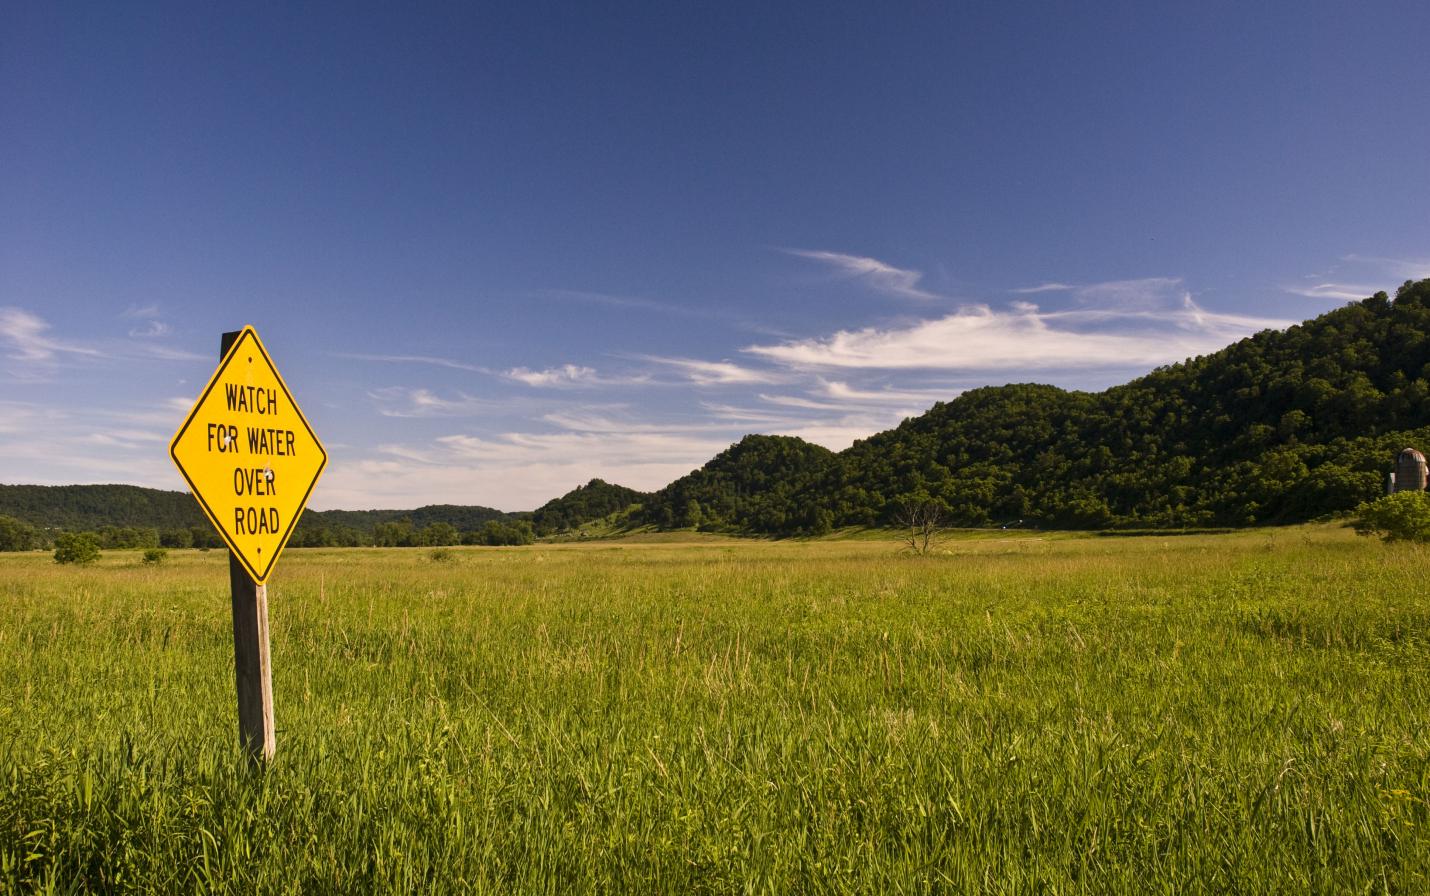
[[249, 455]]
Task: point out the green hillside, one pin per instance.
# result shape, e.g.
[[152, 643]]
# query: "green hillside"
[[752, 485], [1283, 426], [96, 506], [595, 500]]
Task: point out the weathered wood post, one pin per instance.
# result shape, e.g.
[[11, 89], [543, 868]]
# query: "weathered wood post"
[[252, 664]]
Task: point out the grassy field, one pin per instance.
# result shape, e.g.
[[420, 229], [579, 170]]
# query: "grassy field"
[[1222, 713]]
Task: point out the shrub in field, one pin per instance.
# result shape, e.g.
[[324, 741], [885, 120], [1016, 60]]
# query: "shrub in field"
[[155, 556], [1403, 516], [76, 547], [441, 555]]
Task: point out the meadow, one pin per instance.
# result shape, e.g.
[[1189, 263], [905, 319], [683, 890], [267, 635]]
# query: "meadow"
[[1018, 713]]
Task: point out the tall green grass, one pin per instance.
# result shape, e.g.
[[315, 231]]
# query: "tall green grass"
[[1227, 713]]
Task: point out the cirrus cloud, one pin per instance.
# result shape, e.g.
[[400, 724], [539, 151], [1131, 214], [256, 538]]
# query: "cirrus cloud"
[[977, 338], [877, 274]]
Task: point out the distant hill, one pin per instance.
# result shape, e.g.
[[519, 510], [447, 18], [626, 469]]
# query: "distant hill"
[[463, 517], [587, 503], [97, 506], [1280, 427], [752, 485]]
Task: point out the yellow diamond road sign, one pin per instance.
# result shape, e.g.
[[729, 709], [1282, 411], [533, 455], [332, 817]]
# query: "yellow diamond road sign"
[[249, 455]]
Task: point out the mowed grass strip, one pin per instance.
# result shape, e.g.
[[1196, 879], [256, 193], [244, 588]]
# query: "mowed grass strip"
[[1241, 712]]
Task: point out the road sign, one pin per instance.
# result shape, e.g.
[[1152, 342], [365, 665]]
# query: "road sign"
[[249, 455]]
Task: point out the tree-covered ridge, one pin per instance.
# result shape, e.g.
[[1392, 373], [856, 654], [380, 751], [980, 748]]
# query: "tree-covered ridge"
[[1282, 426], [752, 485], [460, 516], [96, 506], [595, 500], [128, 516]]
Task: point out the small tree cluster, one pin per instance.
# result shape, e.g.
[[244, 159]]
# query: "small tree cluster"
[[496, 533], [1403, 516], [76, 547], [402, 534]]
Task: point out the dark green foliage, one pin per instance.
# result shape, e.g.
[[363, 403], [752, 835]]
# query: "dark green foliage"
[[366, 521], [1403, 516], [1280, 427], [495, 533], [595, 500], [176, 538], [155, 556], [440, 534], [127, 516], [433, 524], [127, 537], [93, 506], [17, 535], [751, 486], [76, 547]]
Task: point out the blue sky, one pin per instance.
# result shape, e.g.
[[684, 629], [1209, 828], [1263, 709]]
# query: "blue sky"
[[497, 252]]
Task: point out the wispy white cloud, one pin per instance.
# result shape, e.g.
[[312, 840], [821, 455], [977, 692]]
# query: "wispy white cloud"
[[413, 359], [398, 401], [1044, 287], [149, 322], [1339, 292], [652, 306], [1113, 295], [514, 470], [570, 375], [598, 423], [795, 401], [565, 375], [150, 329], [1398, 268], [877, 274], [165, 353], [716, 373], [25, 336], [1141, 294], [843, 392], [118, 443], [979, 339], [1354, 277]]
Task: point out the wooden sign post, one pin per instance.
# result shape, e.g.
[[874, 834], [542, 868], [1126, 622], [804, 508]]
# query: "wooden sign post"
[[251, 460]]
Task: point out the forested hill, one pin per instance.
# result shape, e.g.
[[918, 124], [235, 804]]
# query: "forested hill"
[[595, 500], [1282, 426], [753, 485], [75, 507], [96, 506]]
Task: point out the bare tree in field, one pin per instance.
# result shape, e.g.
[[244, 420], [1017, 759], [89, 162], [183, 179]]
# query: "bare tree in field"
[[923, 520]]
